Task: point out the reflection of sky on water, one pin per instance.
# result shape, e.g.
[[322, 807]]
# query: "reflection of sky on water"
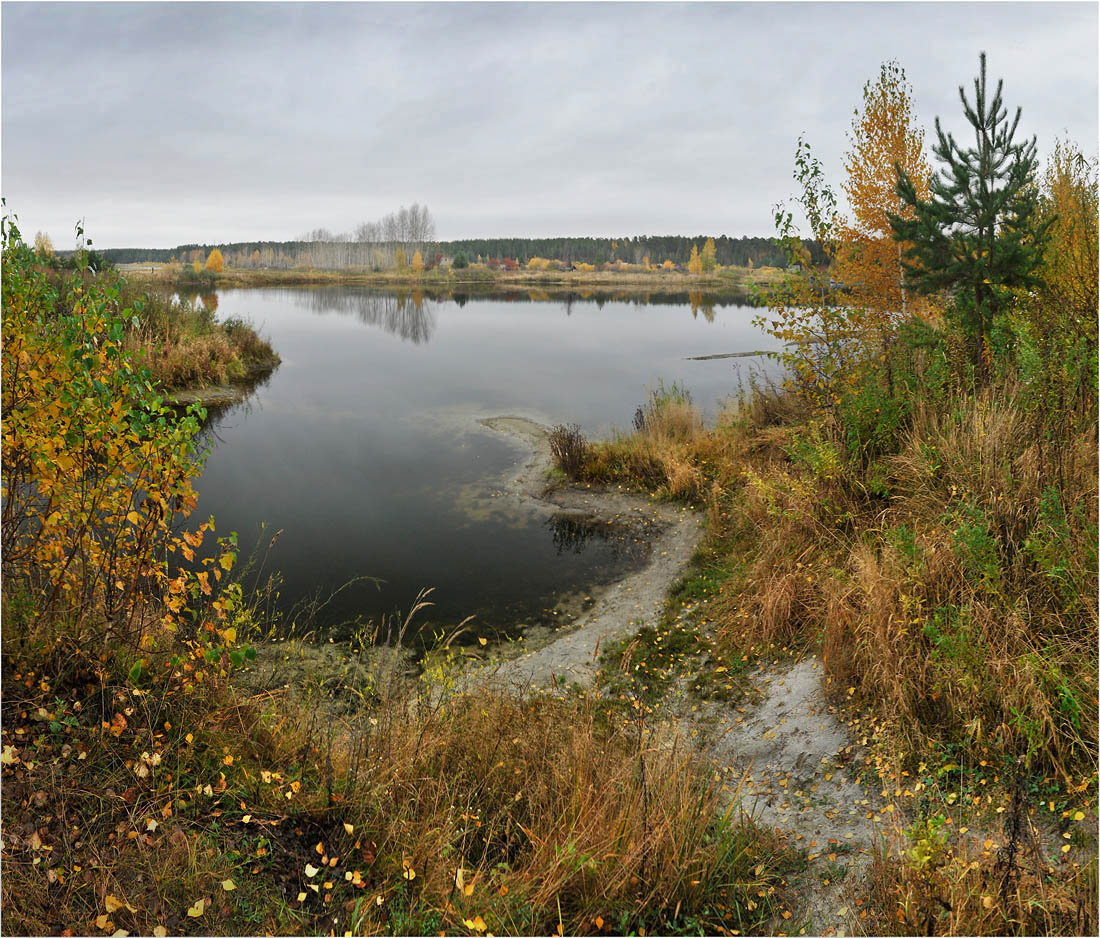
[[364, 448]]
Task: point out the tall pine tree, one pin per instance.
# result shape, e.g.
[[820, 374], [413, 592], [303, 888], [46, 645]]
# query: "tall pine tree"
[[979, 236]]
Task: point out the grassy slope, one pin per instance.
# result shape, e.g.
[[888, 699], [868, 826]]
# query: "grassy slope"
[[948, 577]]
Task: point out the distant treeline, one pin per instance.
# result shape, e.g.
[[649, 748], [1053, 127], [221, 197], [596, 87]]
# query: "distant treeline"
[[344, 252]]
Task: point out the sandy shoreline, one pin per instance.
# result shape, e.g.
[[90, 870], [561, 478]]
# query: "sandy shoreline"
[[620, 609]]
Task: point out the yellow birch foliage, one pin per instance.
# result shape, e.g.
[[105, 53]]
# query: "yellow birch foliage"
[[215, 263], [883, 135], [417, 265], [97, 468], [695, 263], [43, 246], [1070, 264]]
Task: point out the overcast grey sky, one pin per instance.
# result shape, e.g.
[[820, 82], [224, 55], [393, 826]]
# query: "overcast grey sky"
[[168, 123]]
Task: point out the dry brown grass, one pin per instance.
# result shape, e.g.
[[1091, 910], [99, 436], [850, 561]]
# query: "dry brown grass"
[[184, 346], [950, 586], [668, 451], [555, 816], [422, 814]]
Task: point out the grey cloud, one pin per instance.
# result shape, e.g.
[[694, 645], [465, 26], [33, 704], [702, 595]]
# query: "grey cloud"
[[167, 123]]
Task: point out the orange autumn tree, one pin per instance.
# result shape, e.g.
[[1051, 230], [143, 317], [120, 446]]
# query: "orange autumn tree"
[[215, 263], [417, 265], [883, 136]]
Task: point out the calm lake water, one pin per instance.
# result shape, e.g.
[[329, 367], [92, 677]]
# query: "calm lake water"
[[364, 448]]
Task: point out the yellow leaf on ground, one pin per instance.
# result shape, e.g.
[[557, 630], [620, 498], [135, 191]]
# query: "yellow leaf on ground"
[[197, 909], [228, 885]]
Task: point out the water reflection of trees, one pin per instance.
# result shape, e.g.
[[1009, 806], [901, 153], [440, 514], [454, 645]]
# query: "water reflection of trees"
[[410, 315], [572, 534], [700, 302]]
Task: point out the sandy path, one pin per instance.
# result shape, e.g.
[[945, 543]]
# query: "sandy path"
[[793, 750]]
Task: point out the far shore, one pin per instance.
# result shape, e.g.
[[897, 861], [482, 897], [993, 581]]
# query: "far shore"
[[727, 279]]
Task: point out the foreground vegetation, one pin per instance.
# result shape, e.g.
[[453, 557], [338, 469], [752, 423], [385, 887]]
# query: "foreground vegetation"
[[919, 507]]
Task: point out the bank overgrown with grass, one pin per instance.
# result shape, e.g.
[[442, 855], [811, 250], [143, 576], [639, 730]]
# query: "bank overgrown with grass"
[[176, 336], [185, 345], [926, 520]]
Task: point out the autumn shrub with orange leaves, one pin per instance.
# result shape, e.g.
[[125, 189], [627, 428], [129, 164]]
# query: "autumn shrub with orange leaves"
[[97, 468]]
